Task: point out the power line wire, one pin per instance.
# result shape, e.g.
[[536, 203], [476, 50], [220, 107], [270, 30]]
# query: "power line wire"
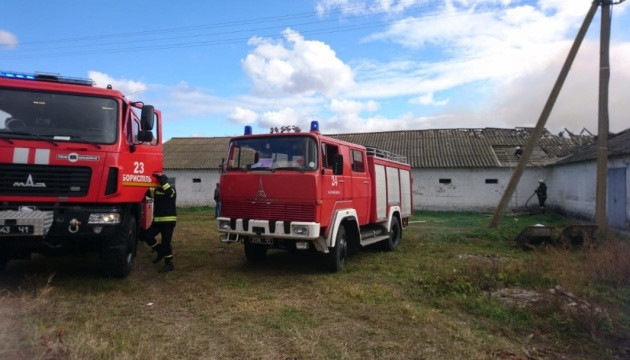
[[153, 43]]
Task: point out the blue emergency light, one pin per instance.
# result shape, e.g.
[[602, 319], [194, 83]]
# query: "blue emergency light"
[[46, 77], [12, 75], [248, 130], [315, 126]]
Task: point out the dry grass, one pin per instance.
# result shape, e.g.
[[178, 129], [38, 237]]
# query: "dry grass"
[[430, 299]]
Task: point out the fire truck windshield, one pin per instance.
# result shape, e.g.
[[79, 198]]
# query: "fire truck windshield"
[[273, 153], [58, 117]]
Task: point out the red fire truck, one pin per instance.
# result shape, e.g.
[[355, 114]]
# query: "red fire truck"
[[75, 163], [305, 191]]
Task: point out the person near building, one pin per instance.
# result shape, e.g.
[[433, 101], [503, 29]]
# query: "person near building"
[[541, 192], [164, 221], [217, 200]]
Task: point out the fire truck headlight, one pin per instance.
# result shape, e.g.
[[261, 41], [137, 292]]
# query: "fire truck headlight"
[[104, 218], [300, 230], [224, 225]]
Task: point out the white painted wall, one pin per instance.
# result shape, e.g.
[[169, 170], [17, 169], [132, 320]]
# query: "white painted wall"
[[468, 190], [191, 193], [574, 189], [569, 187], [576, 184]]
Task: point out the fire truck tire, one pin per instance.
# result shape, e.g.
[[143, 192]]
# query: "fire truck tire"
[[255, 252], [336, 259], [119, 253], [394, 237]]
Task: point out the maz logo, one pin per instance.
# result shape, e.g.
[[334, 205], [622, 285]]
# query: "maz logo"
[[29, 183]]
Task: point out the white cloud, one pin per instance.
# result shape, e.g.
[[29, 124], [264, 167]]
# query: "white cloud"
[[520, 101], [345, 106], [427, 99], [295, 66], [8, 39], [243, 116], [360, 7], [284, 117], [130, 88]]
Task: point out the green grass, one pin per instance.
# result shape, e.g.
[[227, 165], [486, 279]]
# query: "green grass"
[[434, 297]]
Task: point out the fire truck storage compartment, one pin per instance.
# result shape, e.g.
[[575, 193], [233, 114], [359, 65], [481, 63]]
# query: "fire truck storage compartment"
[[392, 187]]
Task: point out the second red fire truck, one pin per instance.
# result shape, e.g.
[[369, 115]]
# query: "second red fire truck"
[[305, 191]]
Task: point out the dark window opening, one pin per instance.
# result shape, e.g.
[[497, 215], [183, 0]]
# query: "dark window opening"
[[492, 181], [445, 181], [328, 152], [196, 180], [357, 161]]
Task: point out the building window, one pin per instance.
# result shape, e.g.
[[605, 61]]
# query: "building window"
[[492, 181], [445, 181], [196, 180]]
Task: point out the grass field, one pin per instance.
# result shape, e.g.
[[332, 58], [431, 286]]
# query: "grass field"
[[454, 289]]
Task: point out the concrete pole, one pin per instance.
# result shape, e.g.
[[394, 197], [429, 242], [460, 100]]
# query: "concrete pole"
[[602, 132], [540, 125]]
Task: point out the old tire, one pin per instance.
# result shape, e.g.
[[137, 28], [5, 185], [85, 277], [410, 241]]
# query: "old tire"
[[255, 252], [336, 257], [394, 237], [120, 250]]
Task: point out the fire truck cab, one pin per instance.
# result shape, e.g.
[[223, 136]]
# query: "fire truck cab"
[[75, 163], [305, 191]]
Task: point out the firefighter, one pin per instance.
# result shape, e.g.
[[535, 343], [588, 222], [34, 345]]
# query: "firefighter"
[[217, 200], [541, 192], [164, 220]]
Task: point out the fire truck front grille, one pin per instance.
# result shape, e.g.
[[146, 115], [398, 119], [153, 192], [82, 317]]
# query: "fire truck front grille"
[[263, 211], [44, 180]]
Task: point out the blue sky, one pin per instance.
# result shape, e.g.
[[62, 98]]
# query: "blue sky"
[[355, 66]]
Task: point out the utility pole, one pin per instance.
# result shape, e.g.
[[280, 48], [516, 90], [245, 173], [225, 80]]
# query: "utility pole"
[[542, 120], [602, 128]]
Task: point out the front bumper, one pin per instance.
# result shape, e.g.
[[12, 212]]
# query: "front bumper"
[[232, 229]]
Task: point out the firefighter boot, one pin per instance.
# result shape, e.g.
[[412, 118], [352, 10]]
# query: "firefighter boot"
[[157, 247], [168, 264], [159, 256]]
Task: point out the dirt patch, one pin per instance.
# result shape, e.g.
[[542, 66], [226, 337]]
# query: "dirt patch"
[[522, 298]]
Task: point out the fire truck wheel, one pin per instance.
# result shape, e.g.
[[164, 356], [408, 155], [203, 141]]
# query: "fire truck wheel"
[[120, 250], [394, 237], [337, 255], [255, 252]]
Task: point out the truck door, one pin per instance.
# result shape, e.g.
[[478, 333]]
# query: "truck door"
[[140, 158], [360, 184]]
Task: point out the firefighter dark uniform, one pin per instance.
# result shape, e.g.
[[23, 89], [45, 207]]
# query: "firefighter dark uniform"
[[164, 220], [541, 192]]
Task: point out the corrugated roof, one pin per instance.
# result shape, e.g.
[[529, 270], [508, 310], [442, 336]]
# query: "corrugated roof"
[[195, 152], [433, 148], [467, 148], [618, 145]]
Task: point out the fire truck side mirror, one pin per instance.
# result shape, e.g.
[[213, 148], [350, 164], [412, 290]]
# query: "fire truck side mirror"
[[145, 136], [337, 164], [147, 118]]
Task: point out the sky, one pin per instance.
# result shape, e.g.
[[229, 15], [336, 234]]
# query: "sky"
[[353, 65]]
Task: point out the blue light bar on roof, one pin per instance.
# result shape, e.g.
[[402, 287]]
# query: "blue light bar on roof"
[[13, 75], [46, 77]]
